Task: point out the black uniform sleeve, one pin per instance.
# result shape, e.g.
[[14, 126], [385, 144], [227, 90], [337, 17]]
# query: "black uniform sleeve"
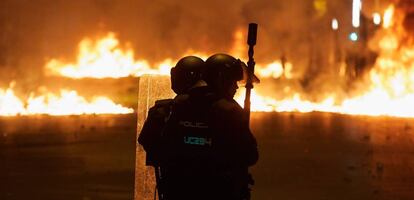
[[236, 142], [150, 135]]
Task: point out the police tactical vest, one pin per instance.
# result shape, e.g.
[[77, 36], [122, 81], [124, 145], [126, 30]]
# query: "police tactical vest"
[[198, 146], [188, 132]]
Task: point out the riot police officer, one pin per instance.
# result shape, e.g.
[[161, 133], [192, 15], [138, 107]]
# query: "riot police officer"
[[208, 143], [185, 74]]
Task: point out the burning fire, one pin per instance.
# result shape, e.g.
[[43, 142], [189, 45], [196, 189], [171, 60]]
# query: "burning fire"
[[70, 103], [391, 81], [67, 103], [275, 70], [10, 105], [388, 89], [103, 58], [295, 103]]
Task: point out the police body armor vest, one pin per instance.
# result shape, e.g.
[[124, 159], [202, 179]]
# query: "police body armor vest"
[[191, 167], [188, 133], [188, 167]]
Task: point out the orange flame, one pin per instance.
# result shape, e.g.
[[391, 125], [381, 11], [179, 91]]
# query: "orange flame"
[[388, 89], [67, 103], [103, 58], [275, 70], [70, 103], [10, 105]]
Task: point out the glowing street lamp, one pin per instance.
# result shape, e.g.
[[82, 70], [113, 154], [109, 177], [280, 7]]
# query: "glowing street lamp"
[[376, 18], [356, 12], [388, 15], [337, 51], [353, 36], [335, 24]]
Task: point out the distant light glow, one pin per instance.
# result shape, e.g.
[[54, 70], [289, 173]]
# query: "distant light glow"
[[356, 11], [335, 24], [376, 18], [388, 15], [353, 36], [320, 7]]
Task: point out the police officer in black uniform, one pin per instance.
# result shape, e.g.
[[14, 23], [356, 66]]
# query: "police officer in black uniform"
[[184, 75], [208, 145]]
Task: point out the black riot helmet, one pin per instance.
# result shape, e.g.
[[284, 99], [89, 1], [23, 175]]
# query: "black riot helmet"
[[186, 73], [223, 71]]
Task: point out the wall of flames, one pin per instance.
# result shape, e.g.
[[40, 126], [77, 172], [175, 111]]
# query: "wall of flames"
[[388, 88], [68, 102]]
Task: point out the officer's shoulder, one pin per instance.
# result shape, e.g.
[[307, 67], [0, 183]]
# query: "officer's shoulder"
[[161, 105], [227, 105], [181, 98], [163, 102], [161, 108]]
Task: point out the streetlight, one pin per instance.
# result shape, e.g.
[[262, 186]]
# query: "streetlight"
[[356, 12], [335, 24], [376, 18]]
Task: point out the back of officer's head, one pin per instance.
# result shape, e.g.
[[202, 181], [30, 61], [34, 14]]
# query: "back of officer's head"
[[186, 73], [222, 71]]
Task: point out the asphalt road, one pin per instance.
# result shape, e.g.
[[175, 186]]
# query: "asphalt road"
[[312, 156], [317, 156], [73, 157]]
